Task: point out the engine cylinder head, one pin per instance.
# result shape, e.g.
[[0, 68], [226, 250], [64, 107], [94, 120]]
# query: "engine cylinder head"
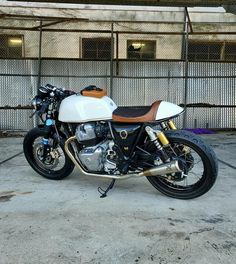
[[85, 132]]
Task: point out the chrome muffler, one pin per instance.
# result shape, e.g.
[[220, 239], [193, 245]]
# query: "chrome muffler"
[[167, 168]]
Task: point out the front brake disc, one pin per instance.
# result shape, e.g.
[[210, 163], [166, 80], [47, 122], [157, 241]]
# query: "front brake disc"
[[50, 162]]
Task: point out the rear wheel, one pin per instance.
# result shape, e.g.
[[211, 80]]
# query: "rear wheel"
[[199, 163], [55, 165]]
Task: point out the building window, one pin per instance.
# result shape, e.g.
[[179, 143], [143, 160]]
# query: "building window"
[[230, 52], [96, 48], [208, 51], [11, 46], [141, 49]]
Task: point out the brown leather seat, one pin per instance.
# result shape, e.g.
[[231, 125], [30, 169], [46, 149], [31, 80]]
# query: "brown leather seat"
[[135, 114]]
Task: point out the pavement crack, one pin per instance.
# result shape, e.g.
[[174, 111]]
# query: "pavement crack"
[[12, 157], [202, 230], [227, 164]]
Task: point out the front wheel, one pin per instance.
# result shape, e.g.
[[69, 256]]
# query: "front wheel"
[[56, 165], [199, 163]]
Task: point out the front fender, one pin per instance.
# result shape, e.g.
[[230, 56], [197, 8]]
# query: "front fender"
[[53, 131]]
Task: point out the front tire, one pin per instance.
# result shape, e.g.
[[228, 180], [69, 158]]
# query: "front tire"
[[200, 163], [57, 164]]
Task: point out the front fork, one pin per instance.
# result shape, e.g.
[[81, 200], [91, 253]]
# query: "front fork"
[[45, 141], [160, 140]]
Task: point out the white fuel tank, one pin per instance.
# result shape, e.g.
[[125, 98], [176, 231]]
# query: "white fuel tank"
[[77, 109]]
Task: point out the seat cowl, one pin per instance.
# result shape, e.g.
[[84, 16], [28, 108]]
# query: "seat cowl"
[[168, 110]]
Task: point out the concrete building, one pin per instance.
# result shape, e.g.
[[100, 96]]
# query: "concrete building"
[[77, 31]]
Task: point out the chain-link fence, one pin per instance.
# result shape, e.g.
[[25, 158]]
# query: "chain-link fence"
[[190, 63]]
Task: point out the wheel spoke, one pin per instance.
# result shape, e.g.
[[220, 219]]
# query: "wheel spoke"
[[186, 181], [195, 174]]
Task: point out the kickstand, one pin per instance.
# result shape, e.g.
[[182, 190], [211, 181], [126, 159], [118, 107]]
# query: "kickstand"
[[104, 193]]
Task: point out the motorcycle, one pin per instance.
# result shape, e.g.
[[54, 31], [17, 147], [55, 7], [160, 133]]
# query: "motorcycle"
[[89, 131]]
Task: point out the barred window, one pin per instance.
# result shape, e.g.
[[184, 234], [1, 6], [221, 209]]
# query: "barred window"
[[96, 48], [230, 52], [11, 46], [211, 51], [141, 49]]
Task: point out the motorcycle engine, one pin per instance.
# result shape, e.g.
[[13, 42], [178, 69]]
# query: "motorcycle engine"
[[96, 156]]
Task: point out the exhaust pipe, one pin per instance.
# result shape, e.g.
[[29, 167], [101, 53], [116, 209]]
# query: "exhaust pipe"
[[167, 168]]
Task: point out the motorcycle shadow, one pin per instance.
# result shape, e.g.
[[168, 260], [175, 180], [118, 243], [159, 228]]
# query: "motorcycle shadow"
[[134, 185]]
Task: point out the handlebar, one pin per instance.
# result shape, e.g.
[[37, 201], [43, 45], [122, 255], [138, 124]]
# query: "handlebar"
[[47, 95], [59, 92]]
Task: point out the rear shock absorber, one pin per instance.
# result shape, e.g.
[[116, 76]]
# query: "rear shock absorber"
[[171, 125], [156, 136], [168, 125]]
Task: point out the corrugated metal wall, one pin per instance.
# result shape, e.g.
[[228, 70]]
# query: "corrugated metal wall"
[[211, 87], [212, 84]]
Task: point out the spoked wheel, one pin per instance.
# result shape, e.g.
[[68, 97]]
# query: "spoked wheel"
[[199, 167], [54, 164]]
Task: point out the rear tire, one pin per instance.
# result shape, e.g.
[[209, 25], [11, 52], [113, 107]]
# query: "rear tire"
[[48, 169], [207, 164]]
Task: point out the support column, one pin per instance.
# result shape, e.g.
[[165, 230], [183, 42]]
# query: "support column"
[[111, 61], [186, 68], [40, 55], [36, 118]]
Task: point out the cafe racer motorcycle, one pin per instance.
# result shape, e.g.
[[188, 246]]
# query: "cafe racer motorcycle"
[[89, 131]]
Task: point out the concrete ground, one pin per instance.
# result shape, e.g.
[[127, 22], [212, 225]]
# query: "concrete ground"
[[43, 221]]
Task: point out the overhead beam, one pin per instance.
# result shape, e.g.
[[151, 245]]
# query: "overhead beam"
[[50, 24], [56, 22], [119, 32]]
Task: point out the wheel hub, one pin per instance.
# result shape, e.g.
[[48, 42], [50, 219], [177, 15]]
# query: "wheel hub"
[[52, 156], [180, 176]]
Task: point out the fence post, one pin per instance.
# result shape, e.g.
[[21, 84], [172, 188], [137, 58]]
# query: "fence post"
[[111, 61], [40, 55], [186, 68], [36, 118], [117, 53]]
